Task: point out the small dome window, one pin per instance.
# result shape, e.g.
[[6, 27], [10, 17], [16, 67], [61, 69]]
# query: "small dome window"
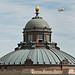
[[40, 37], [47, 38], [30, 37]]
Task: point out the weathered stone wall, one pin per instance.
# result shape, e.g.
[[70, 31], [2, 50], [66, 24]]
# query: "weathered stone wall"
[[37, 72]]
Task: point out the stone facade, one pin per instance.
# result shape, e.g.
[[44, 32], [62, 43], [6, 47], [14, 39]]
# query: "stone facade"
[[37, 72]]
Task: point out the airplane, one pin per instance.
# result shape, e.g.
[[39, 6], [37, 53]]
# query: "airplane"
[[61, 9]]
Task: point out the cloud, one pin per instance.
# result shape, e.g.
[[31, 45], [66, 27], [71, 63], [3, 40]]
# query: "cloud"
[[7, 45]]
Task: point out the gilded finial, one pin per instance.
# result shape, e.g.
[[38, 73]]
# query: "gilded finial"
[[37, 8], [37, 11]]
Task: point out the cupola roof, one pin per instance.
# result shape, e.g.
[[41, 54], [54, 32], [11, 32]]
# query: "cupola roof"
[[37, 23]]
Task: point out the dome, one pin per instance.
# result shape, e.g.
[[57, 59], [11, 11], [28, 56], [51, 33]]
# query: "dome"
[[38, 56], [37, 23]]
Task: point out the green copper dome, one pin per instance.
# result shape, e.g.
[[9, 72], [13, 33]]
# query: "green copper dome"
[[38, 56]]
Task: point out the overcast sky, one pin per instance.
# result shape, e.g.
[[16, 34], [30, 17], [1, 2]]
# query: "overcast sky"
[[14, 14]]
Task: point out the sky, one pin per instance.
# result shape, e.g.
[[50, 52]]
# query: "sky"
[[14, 14]]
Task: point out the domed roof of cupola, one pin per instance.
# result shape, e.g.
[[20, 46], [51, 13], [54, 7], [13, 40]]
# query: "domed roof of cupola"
[[37, 22]]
